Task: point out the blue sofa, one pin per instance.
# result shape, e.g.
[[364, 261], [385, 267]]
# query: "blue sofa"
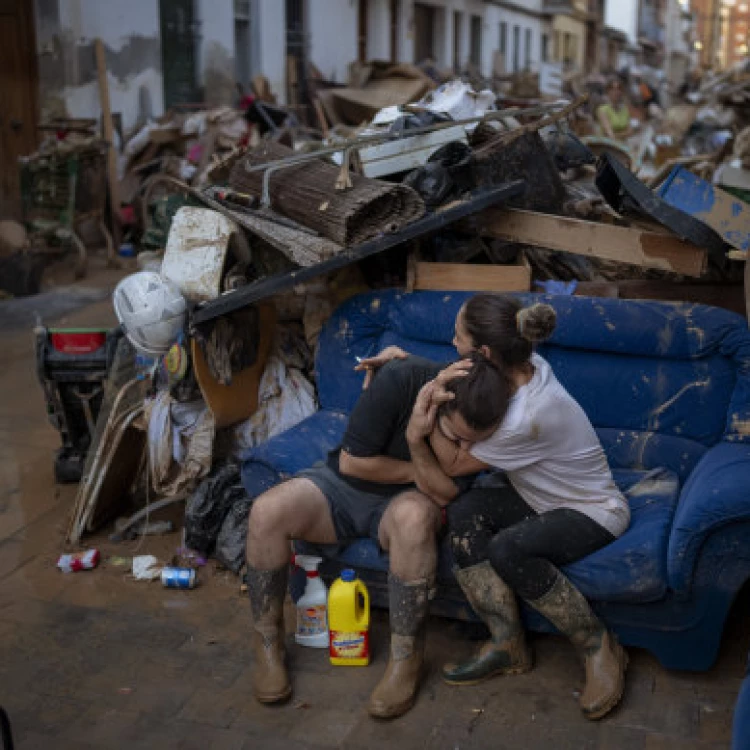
[[667, 386]]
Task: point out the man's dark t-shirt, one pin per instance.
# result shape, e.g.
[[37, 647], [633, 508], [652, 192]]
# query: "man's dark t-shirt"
[[377, 424]]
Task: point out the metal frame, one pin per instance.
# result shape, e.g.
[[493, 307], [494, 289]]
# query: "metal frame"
[[353, 145]]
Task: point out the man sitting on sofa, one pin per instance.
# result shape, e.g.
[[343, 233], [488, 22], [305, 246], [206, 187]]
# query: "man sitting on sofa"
[[369, 487]]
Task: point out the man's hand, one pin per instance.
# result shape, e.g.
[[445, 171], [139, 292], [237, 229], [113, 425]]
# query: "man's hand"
[[370, 364], [424, 413]]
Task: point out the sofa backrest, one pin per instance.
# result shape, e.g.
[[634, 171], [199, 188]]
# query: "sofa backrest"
[[673, 374]]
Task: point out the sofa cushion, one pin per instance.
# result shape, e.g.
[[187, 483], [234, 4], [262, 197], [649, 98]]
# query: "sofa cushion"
[[634, 567], [298, 448], [628, 449], [631, 569]]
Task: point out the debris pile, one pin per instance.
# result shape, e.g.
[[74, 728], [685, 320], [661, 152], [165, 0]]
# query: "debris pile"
[[254, 227]]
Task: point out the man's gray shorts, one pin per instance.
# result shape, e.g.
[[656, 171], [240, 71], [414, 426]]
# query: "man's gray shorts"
[[355, 513]]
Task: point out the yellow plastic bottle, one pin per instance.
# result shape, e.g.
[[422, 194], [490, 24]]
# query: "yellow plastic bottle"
[[349, 621]]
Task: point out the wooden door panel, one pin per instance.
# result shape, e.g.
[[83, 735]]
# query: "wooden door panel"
[[18, 96]]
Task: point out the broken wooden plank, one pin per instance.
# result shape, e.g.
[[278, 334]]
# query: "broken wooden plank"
[[300, 247], [623, 244], [271, 285], [114, 187]]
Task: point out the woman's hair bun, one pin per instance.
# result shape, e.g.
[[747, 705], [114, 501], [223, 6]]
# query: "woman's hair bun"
[[536, 323]]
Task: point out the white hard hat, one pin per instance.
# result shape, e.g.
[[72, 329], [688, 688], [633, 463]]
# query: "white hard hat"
[[151, 311]]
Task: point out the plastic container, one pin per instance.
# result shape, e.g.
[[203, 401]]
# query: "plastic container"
[[312, 616], [349, 621], [76, 561], [78, 340], [178, 578]]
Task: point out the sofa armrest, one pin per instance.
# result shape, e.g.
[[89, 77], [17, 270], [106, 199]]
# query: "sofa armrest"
[[716, 494], [293, 450]]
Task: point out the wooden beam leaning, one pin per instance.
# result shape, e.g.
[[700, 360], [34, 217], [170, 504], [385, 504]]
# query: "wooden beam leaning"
[[629, 245]]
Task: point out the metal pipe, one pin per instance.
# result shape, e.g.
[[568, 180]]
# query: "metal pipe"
[[367, 140]]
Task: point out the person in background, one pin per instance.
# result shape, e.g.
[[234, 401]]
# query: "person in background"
[[561, 504], [614, 115], [647, 96]]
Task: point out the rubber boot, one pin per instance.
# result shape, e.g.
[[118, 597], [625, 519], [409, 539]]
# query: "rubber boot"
[[397, 690], [505, 652], [267, 589], [604, 659]]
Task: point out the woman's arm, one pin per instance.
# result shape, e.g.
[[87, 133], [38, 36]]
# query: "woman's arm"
[[454, 461], [604, 121]]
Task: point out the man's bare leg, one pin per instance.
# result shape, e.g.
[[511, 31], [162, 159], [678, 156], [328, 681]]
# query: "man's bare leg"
[[294, 510], [408, 532]]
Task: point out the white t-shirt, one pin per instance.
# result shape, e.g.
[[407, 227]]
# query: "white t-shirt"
[[551, 454]]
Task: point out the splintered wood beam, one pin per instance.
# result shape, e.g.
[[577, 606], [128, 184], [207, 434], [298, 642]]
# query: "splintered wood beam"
[[630, 245], [114, 185]]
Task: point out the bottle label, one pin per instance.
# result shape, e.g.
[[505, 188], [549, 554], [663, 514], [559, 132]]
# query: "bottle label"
[[350, 644], [312, 620]]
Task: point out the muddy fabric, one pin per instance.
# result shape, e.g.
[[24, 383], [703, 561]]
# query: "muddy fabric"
[[180, 444], [355, 513], [209, 505], [231, 542], [524, 548]]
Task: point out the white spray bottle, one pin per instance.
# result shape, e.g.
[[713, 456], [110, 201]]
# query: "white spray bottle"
[[312, 610]]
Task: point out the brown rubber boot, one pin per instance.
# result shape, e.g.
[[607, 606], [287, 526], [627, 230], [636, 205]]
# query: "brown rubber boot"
[[505, 652], [397, 690], [267, 589], [604, 659]]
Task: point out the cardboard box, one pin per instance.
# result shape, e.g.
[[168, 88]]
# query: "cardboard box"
[[726, 215], [471, 277]]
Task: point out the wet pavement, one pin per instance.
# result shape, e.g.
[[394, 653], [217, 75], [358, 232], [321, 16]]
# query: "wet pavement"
[[97, 660]]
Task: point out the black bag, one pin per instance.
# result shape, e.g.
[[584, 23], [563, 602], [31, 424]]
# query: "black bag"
[[209, 505]]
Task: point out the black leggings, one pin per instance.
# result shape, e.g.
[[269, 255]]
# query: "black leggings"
[[525, 548]]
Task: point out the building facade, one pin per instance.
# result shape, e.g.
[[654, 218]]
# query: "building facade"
[[166, 53]]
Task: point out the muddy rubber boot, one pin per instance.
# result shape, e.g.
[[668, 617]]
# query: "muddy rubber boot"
[[397, 690], [604, 659], [505, 652], [267, 589]]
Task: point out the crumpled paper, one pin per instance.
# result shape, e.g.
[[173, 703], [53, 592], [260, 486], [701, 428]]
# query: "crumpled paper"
[[146, 568]]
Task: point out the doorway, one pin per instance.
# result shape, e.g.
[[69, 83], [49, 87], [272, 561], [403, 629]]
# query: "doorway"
[[296, 57], [424, 32], [362, 30], [242, 43], [457, 31], [475, 41], [177, 24], [19, 105], [394, 30]]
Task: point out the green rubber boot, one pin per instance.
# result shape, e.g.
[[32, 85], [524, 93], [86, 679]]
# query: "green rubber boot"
[[495, 603]]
